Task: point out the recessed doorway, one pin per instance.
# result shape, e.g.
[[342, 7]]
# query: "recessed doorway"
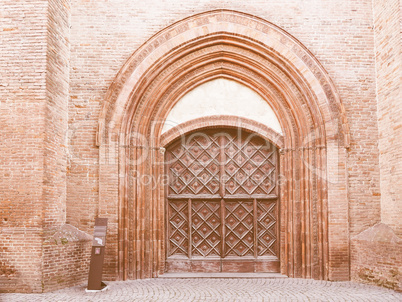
[[222, 203]]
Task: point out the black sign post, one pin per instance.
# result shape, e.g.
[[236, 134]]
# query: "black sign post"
[[98, 254]]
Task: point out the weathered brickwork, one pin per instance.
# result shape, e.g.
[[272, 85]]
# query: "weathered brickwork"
[[377, 257], [22, 103], [34, 89], [58, 60], [66, 255], [67, 264], [388, 54], [21, 260], [377, 252], [56, 111]]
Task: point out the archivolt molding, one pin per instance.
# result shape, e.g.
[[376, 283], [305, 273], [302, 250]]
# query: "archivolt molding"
[[225, 121], [184, 34], [228, 62], [263, 57]]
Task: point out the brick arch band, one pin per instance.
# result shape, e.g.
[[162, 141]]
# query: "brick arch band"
[[263, 57], [222, 121]]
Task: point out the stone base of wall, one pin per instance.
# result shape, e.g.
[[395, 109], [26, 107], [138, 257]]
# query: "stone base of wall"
[[376, 257], [66, 256]]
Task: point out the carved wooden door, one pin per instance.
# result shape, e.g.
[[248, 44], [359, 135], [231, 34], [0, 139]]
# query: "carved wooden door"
[[222, 203]]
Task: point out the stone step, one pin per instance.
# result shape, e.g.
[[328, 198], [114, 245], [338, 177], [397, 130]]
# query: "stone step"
[[221, 275]]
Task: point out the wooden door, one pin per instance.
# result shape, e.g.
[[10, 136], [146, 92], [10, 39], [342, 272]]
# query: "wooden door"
[[222, 203]]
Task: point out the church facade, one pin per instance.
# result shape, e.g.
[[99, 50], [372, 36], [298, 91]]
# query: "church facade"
[[215, 137]]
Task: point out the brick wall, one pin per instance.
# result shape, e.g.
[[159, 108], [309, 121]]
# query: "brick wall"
[[376, 252], [387, 24], [23, 29], [377, 257], [56, 112], [66, 256], [34, 91], [105, 33]]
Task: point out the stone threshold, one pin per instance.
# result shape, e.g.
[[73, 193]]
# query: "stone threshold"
[[222, 275]]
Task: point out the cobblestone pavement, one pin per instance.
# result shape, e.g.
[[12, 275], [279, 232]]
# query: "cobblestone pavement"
[[218, 290]]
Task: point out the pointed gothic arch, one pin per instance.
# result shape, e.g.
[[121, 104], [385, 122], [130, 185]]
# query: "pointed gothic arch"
[[265, 58]]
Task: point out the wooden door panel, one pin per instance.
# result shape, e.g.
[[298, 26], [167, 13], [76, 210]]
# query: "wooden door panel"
[[174, 265], [239, 228], [194, 167], [206, 228], [205, 266], [267, 266], [267, 231], [250, 166], [178, 228], [238, 266], [222, 207]]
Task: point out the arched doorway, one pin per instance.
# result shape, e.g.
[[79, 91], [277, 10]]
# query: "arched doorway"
[[313, 231], [222, 211]]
